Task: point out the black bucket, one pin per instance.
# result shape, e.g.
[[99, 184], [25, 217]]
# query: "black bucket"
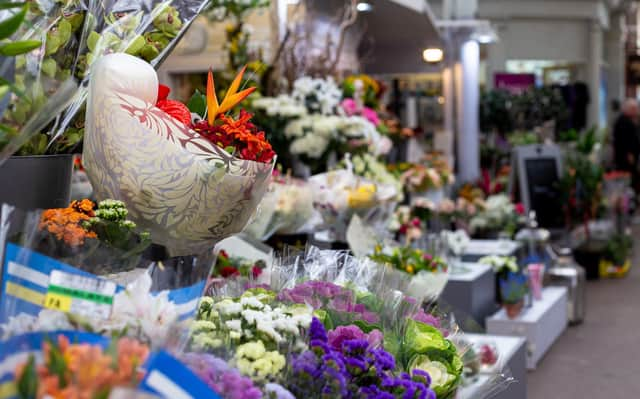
[[36, 182]]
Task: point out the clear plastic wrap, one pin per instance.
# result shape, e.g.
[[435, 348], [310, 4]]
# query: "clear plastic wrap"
[[339, 195], [86, 268], [187, 192], [286, 207], [71, 364], [347, 291], [74, 35]]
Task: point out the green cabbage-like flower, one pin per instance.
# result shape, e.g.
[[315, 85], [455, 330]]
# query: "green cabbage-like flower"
[[442, 381], [427, 349]]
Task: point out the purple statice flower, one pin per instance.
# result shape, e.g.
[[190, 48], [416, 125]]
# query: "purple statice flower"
[[317, 331], [222, 378], [343, 364], [277, 391], [383, 360]]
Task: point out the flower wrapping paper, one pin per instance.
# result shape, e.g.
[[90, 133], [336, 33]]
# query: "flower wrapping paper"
[[186, 191]]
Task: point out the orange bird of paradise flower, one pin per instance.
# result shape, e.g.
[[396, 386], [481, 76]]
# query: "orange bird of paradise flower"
[[231, 99]]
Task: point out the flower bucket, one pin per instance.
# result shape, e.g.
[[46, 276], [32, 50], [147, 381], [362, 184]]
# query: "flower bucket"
[[36, 182], [609, 270]]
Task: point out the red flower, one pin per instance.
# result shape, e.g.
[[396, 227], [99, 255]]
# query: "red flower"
[[240, 134], [256, 271], [229, 271], [173, 108], [520, 208]]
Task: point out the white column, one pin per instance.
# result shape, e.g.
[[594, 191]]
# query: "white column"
[[468, 93], [595, 74], [615, 57]]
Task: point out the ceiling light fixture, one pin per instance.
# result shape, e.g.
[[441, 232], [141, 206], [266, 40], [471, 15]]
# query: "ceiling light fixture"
[[433, 55], [364, 7]]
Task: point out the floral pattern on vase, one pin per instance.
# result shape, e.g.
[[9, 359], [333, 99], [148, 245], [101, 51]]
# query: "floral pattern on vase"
[[186, 191]]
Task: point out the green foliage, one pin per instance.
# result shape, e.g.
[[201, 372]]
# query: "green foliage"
[[587, 141], [10, 25], [568, 136], [504, 112], [581, 185], [618, 249], [27, 384], [198, 104], [112, 227]]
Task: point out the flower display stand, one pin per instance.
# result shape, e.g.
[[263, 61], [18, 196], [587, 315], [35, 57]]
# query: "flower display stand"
[[471, 291], [477, 249], [541, 324], [511, 357]]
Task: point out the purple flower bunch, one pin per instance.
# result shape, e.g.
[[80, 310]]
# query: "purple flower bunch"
[[426, 318], [345, 333], [325, 295], [355, 369], [222, 378]]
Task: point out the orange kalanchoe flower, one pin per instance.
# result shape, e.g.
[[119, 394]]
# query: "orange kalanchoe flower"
[[66, 223], [231, 99]]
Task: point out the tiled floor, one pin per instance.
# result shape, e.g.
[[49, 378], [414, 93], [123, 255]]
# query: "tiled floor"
[[601, 357]]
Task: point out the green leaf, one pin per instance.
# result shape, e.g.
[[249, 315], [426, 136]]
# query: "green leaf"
[[92, 40], [5, 5], [10, 25], [198, 104], [17, 48], [49, 67], [27, 385]]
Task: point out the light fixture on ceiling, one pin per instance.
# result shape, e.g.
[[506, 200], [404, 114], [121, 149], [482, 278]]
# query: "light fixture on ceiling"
[[293, 2], [433, 55], [364, 7], [484, 34]]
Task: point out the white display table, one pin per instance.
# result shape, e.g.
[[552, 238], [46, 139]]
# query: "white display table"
[[471, 291], [541, 324], [511, 361], [477, 249]]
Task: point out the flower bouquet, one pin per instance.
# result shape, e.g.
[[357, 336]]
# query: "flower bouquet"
[[227, 266], [285, 208], [339, 195], [88, 268], [67, 364], [72, 36], [189, 184], [499, 214], [429, 273]]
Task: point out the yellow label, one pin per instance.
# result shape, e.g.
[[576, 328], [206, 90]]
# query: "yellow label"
[[24, 293], [8, 390], [57, 302]]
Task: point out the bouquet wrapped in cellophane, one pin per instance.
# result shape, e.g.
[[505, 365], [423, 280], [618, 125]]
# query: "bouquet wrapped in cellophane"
[[359, 298], [338, 195], [286, 207], [175, 178], [88, 267], [72, 36], [71, 364]]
